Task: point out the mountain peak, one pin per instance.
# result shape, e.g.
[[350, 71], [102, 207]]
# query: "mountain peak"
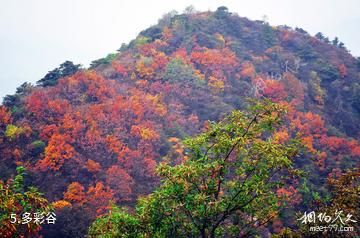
[[90, 136]]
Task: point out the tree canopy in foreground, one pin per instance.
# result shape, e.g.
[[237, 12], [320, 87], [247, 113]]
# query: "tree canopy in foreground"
[[226, 185]]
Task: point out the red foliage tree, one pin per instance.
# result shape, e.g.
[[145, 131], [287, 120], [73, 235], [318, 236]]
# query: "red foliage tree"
[[5, 116], [215, 59], [57, 151], [274, 90], [99, 197], [247, 70], [75, 193], [120, 182]]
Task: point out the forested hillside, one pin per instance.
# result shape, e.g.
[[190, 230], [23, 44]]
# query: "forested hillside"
[[90, 136]]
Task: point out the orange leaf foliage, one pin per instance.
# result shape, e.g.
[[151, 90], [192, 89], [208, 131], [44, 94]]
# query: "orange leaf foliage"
[[99, 197], [216, 85], [247, 70], [215, 59], [5, 117], [57, 151], [146, 133], [290, 195], [60, 204], [75, 193], [281, 136], [92, 166]]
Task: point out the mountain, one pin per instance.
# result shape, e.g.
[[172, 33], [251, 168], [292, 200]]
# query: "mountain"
[[88, 136]]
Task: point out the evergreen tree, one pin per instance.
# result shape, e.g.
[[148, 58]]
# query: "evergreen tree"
[[66, 69]]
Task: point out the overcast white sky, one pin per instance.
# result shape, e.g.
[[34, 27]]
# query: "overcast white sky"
[[37, 35]]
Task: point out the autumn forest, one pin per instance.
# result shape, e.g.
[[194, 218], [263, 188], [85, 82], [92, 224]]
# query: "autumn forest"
[[207, 124]]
